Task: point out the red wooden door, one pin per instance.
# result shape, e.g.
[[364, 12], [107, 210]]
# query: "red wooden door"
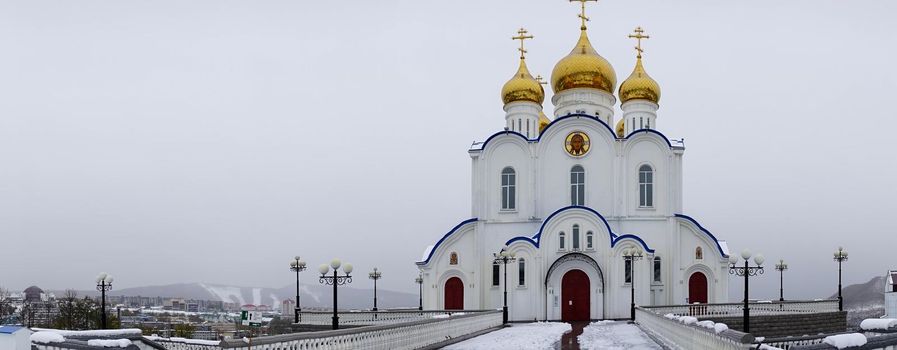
[[575, 296], [454, 294], [697, 288]]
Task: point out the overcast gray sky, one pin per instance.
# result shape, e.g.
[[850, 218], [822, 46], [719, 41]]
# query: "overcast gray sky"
[[210, 141]]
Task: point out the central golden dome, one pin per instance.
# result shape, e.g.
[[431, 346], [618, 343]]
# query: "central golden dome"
[[522, 87], [583, 68], [639, 85]]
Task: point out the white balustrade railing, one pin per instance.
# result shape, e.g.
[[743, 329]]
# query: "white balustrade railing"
[[365, 318], [406, 335], [677, 335], [756, 308]]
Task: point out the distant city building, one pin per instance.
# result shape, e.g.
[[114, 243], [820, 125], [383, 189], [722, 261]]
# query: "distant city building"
[[192, 307], [287, 306], [34, 294], [891, 294]]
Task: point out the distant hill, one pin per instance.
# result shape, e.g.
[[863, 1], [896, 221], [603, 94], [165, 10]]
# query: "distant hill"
[[863, 295], [313, 296]]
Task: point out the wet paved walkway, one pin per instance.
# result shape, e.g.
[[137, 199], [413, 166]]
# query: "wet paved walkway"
[[570, 341]]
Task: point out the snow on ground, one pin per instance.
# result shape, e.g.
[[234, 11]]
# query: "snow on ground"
[[93, 333], [615, 335], [539, 335]]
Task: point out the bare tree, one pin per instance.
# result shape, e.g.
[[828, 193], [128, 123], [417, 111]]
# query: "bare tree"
[[5, 307]]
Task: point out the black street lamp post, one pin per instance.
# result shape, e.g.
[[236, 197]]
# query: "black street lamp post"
[[781, 267], [104, 283], [335, 280], [420, 294], [747, 270], [632, 255], [504, 257], [375, 275], [297, 265], [840, 257]]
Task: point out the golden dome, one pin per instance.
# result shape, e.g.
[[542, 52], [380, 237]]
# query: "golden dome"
[[621, 128], [639, 85], [522, 87], [543, 121], [583, 68]]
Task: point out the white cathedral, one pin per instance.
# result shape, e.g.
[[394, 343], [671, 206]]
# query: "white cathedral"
[[569, 197]]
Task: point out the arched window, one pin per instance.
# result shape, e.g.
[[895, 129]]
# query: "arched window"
[[699, 253], [645, 186], [575, 238], [627, 271], [577, 185], [453, 258], [527, 128], [521, 272], [508, 189], [561, 241], [495, 274], [657, 269], [590, 240]]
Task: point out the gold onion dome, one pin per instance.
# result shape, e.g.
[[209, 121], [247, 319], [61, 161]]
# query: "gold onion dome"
[[621, 128], [543, 121], [639, 85], [522, 87], [583, 68]]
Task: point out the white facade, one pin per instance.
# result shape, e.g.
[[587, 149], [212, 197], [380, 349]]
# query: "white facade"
[[612, 214]]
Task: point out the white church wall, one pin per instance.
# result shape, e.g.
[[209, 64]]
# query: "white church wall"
[[646, 149], [507, 151], [461, 242], [554, 165]]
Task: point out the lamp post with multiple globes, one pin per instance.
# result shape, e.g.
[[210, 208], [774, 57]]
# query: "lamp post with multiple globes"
[[632, 255], [420, 293], [298, 266], [747, 270], [375, 275], [781, 267], [335, 280], [840, 257], [504, 257], [104, 283]]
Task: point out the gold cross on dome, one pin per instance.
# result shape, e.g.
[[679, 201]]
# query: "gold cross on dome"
[[540, 80], [582, 14], [638, 36], [521, 35]]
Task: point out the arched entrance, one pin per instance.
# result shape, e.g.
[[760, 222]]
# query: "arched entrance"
[[454, 294], [697, 288], [575, 305]]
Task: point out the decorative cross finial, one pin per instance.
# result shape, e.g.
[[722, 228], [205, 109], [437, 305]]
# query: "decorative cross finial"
[[540, 80], [638, 36], [521, 35], [582, 14]]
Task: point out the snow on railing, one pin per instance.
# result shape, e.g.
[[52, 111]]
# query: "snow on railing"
[[414, 334], [366, 318], [686, 333], [757, 308]]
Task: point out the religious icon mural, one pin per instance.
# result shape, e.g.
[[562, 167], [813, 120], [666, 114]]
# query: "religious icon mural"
[[577, 144]]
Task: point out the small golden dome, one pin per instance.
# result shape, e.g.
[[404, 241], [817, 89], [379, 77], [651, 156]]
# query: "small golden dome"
[[639, 85], [543, 121], [621, 128], [583, 68], [522, 87]]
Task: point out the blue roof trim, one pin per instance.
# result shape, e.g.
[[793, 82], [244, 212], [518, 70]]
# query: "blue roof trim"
[[577, 115], [695, 222], [503, 133], [453, 230], [664, 137], [536, 240], [633, 237]]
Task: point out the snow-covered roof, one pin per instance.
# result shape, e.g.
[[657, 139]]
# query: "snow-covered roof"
[[724, 246], [10, 329], [426, 253]]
